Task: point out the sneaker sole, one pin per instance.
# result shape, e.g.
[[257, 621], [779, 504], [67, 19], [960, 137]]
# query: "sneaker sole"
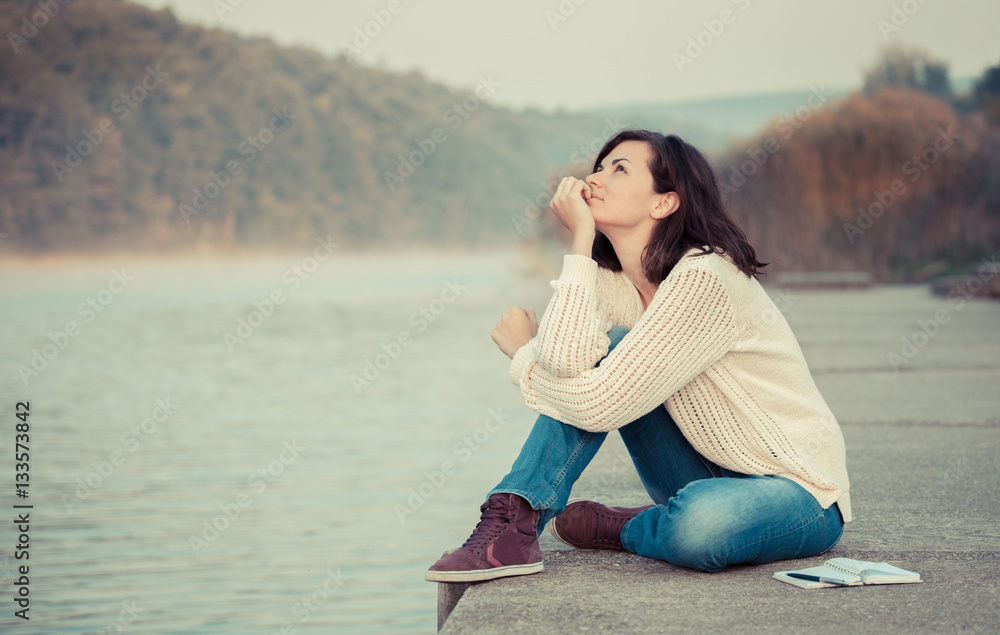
[[555, 533], [552, 525], [483, 574]]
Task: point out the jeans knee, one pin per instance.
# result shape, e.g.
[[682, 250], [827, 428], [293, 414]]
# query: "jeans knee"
[[688, 548], [697, 537]]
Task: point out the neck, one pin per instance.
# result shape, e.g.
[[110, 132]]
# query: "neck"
[[629, 245]]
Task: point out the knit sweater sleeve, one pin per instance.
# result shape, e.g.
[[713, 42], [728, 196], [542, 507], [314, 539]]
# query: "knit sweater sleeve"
[[689, 325], [573, 332]]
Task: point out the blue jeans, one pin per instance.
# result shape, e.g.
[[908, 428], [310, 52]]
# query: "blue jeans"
[[706, 517]]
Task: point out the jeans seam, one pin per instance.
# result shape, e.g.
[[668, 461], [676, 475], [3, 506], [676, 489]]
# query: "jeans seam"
[[562, 473], [532, 499], [839, 536], [713, 468], [762, 539]]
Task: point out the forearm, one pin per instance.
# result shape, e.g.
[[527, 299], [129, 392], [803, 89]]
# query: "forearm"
[[583, 242], [572, 334], [676, 339]]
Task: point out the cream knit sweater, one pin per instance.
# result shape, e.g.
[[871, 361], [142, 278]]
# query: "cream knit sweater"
[[712, 347]]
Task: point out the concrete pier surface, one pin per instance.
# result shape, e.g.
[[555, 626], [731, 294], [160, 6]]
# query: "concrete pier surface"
[[914, 380]]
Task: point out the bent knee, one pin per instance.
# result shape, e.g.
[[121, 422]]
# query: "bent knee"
[[697, 540]]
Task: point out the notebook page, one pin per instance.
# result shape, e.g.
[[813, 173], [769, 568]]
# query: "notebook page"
[[824, 571], [883, 573], [873, 572], [848, 566]]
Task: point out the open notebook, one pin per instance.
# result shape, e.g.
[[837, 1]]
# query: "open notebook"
[[847, 572]]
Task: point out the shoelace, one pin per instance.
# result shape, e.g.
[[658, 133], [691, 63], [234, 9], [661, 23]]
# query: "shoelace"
[[609, 525], [490, 525]]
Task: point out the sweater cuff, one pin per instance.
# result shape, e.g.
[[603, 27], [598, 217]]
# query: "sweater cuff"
[[521, 357], [577, 269]]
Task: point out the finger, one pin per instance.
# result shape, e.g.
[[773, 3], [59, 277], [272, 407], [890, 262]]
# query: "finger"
[[567, 186], [560, 190]]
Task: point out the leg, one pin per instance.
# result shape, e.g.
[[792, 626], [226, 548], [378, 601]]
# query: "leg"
[[553, 458], [707, 516], [550, 462], [555, 454], [664, 459], [713, 523], [505, 542]]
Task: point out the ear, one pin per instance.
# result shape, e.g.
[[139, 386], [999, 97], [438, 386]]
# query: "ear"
[[667, 205]]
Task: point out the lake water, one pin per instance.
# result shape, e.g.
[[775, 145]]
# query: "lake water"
[[186, 481]]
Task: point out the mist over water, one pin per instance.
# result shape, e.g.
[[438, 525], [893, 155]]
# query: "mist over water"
[[186, 482]]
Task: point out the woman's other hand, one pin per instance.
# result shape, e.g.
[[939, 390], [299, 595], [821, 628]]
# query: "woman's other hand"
[[514, 330], [569, 204]]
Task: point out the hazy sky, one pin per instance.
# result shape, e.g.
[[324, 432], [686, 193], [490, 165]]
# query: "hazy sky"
[[581, 53]]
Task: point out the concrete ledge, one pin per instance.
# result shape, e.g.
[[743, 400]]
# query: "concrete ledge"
[[984, 285], [923, 453], [449, 593], [623, 593], [825, 279]]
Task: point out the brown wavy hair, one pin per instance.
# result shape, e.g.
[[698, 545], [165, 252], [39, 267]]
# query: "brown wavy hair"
[[701, 220]]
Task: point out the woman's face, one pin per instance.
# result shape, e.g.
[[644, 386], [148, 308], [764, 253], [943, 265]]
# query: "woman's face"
[[622, 192]]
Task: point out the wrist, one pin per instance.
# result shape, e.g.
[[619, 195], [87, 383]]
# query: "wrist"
[[583, 242]]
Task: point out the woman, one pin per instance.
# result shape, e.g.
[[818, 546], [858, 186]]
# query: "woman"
[[659, 328]]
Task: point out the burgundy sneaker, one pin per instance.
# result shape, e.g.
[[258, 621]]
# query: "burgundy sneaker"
[[504, 543], [590, 525]]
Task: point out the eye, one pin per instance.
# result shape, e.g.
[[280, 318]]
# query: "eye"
[[620, 167]]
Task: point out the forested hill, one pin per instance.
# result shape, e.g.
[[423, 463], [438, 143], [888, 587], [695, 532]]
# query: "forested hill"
[[121, 127]]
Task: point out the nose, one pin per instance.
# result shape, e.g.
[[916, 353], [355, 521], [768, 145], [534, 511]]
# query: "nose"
[[593, 181]]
